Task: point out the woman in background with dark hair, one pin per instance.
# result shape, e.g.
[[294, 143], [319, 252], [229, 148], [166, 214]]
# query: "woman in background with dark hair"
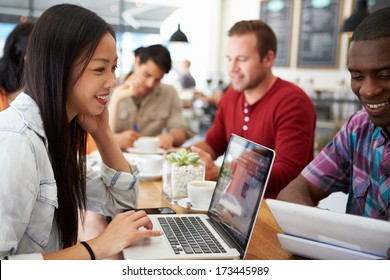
[[12, 62], [69, 73]]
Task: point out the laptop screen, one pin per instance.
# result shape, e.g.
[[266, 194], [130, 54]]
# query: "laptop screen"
[[240, 188]]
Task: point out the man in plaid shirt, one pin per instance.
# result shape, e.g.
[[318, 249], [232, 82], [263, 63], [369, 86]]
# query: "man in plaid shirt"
[[357, 160]]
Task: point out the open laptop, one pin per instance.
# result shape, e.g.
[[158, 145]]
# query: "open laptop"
[[230, 219], [322, 234]]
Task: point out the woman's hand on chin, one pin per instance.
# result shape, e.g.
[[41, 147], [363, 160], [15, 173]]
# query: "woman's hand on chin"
[[93, 123]]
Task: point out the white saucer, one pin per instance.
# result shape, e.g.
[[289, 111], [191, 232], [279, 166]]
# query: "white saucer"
[[183, 203], [150, 177], [135, 151]]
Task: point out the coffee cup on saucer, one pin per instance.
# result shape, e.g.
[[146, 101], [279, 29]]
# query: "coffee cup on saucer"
[[150, 164], [200, 193], [147, 144]]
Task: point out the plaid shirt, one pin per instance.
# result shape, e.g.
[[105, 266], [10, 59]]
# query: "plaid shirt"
[[356, 162]]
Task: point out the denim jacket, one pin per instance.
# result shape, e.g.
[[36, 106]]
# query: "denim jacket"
[[28, 190]]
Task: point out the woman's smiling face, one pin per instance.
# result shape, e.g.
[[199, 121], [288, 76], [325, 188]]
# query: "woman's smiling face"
[[90, 93]]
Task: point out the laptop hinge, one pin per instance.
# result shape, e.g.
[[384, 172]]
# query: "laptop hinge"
[[229, 241]]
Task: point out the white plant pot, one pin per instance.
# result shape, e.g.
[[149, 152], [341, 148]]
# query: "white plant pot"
[[176, 178]]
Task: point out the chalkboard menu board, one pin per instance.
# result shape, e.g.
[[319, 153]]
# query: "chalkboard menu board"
[[279, 18], [319, 33]]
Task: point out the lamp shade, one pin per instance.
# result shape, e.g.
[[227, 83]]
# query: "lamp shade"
[[359, 14], [178, 36]]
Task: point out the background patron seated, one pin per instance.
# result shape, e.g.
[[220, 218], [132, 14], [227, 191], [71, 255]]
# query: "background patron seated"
[[142, 105]]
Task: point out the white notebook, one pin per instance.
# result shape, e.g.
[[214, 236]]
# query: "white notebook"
[[322, 234]]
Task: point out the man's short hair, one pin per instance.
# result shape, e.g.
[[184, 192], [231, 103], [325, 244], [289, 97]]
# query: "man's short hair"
[[158, 54], [266, 39], [374, 27]]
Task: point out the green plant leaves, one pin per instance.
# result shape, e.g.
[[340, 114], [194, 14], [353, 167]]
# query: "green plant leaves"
[[183, 157]]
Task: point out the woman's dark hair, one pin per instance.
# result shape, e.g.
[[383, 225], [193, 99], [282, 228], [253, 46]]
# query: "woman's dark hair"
[[64, 38], [12, 62], [266, 39]]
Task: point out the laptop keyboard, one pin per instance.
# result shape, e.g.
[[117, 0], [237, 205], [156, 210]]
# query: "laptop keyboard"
[[189, 235]]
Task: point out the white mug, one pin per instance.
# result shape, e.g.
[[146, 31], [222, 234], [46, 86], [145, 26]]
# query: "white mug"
[[147, 144], [150, 164], [200, 193]]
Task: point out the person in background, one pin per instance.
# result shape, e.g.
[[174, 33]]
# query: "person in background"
[[260, 107], [12, 63], [69, 71], [185, 78], [142, 105], [357, 160]]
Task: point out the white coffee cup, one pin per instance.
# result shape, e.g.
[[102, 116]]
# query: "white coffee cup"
[[150, 164], [147, 144], [200, 193]]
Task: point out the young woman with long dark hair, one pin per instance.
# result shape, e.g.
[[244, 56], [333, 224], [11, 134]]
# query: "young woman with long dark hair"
[[69, 72]]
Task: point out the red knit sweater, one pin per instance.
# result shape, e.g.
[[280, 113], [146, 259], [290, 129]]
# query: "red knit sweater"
[[283, 120]]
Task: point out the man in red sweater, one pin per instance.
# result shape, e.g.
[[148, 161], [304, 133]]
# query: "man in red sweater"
[[261, 107]]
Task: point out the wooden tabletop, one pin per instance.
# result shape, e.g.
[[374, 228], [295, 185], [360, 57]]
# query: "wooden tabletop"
[[264, 244]]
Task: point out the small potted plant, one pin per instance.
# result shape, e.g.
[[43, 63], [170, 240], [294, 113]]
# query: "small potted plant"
[[180, 168]]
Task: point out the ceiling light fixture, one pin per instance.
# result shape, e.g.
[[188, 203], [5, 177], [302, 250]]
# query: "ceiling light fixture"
[[178, 36]]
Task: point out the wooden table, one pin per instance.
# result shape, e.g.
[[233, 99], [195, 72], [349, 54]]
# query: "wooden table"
[[264, 244]]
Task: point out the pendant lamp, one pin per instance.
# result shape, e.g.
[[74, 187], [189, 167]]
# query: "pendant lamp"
[[178, 36], [360, 12]]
